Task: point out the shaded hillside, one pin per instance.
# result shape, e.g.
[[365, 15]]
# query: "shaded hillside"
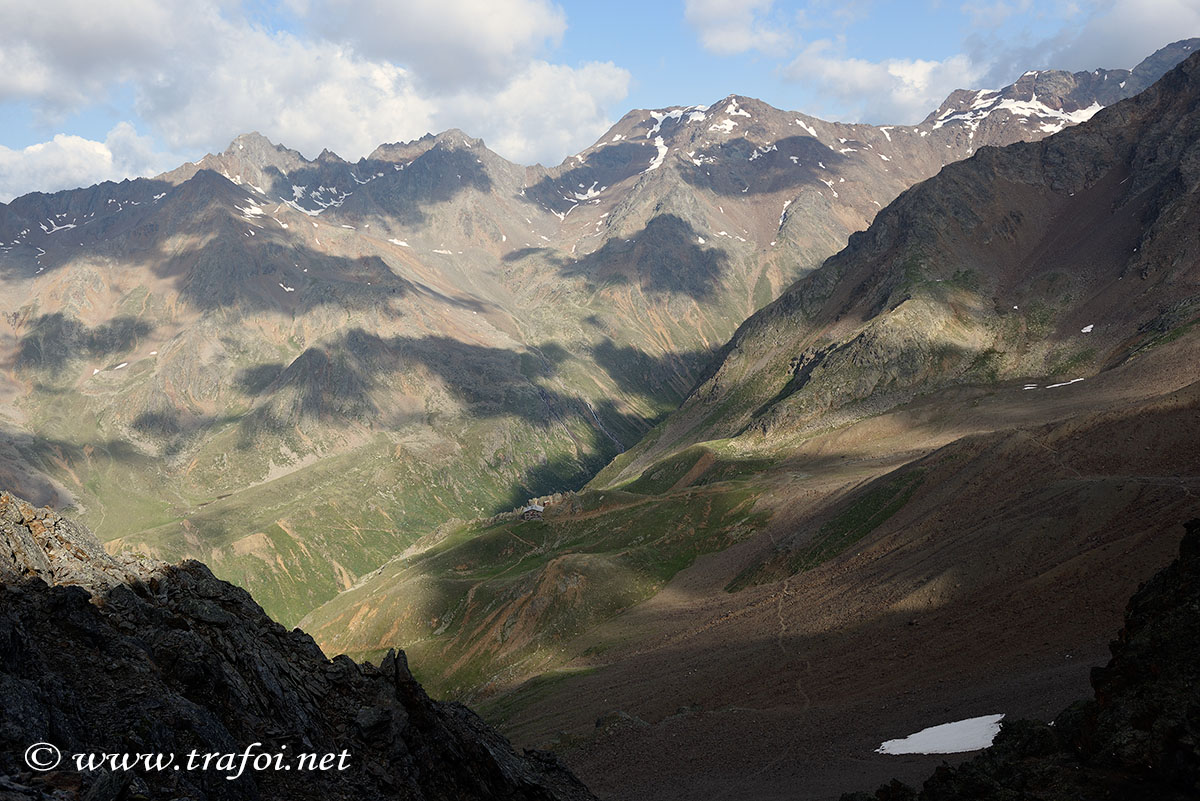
[[1136, 739], [125, 655]]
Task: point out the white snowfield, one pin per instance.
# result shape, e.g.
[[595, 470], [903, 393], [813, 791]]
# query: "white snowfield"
[[987, 101], [971, 734], [658, 159]]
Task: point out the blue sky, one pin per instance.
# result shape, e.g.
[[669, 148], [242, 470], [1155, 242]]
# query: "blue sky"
[[106, 89]]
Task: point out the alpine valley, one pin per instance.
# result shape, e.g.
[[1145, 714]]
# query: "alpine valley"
[[838, 429]]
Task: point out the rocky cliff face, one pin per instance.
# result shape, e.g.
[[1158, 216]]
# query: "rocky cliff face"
[[120, 655], [1137, 739]]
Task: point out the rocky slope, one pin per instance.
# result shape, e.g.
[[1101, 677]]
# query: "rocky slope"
[[229, 353], [1136, 739], [121, 655], [1048, 262]]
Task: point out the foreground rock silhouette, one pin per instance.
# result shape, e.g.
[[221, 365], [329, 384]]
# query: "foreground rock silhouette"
[[103, 654]]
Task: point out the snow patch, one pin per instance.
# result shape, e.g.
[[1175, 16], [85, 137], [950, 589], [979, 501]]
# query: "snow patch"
[[811, 130], [971, 734], [733, 111], [658, 159]]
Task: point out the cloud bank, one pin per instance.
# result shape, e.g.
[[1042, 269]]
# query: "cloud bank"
[[205, 71]]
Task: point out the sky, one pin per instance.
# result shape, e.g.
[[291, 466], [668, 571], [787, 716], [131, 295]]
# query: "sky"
[[94, 90]]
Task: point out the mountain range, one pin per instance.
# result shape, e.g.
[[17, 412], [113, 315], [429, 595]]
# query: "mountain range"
[[795, 394]]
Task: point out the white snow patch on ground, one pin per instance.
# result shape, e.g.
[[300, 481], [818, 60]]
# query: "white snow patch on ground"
[[762, 151], [443, 252], [399, 242], [286, 288], [1087, 329], [55, 226], [949, 738], [733, 111], [1065, 383], [724, 126], [811, 130], [986, 104], [121, 366], [661, 116], [591, 191], [658, 159], [886, 129]]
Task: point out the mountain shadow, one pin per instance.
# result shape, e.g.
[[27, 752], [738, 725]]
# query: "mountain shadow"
[[665, 257], [54, 339], [602, 168], [739, 167]]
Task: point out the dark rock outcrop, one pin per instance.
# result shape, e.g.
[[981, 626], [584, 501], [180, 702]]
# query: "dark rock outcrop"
[[100, 655], [1137, 739]]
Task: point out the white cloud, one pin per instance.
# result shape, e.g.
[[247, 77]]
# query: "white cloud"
[[447, 43], [201, 73], [67, 162], [66, 53], [728, 27], [1122, 33], [896, 90], [544, 113], [994, 13], [1101, 33], [307, 96]]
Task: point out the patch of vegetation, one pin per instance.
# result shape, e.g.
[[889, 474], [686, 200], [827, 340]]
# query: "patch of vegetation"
[[488, 603], [865, 513], [1039, 318], [965, 279], [1166, 337], [986, 365], [501, 708], [1061, 364], [663, 475]]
